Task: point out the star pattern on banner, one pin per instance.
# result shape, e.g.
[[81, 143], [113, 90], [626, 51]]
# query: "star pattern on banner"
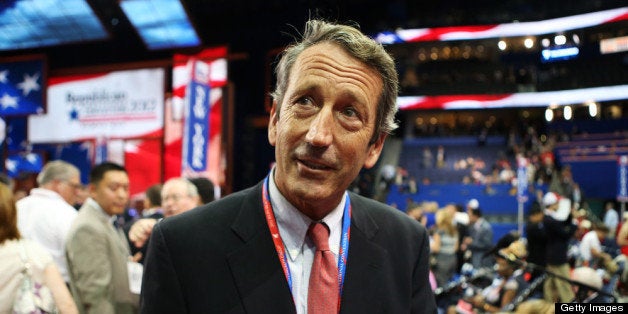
[[74, 115], [23, 162], [10, 165], [29, 84], [7, 101], [22, 87], [4, 76]]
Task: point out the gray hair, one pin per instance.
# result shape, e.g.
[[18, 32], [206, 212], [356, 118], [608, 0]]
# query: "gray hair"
[[358, 46], [190, 188], [57, 170]]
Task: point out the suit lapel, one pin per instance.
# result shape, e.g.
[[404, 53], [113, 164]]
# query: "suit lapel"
[[364, 266], [255, 267], [114, 234]]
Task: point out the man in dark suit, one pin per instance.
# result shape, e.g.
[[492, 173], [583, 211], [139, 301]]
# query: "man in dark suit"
[[252, 252], [479, 240]]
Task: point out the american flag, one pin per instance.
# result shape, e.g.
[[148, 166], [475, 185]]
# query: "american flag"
[[22, 86], [17, 164]]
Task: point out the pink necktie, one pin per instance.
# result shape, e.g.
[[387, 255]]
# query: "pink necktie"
[[323, 288]]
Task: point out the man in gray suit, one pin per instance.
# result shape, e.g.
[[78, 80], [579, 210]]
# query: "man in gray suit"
[[96, 251]]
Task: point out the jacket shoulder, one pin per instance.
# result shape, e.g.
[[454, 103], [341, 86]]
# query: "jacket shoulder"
[[220, 212]]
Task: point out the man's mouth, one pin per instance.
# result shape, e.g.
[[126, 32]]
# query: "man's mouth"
[[314, 165]]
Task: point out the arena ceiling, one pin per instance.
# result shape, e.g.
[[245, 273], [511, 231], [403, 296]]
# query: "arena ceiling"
[[247, 26]]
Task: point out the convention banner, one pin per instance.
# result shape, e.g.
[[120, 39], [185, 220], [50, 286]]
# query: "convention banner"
[[121, 104], [22, 84], [197, 105], [622, 178]]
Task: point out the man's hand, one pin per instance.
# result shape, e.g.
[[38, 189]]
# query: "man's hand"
[[140, 231]]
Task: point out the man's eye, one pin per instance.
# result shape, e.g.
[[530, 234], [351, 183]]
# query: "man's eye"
[[350, 112], [305, 101]]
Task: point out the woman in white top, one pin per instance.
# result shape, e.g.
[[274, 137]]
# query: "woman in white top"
[[43, 269]]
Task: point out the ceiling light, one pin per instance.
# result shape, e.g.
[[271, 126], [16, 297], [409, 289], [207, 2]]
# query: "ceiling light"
[[560, 40], [502, 45], [43, 23], [549, 115], [161, 24], [567, 113], [593, 110]]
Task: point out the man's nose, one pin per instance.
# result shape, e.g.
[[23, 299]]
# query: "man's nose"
[[320, 128]]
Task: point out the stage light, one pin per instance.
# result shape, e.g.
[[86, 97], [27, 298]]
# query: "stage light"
[[502, 45], [593, 110], [560, 39], [528, 43], [549, 115], [567, 113], [545, 42]]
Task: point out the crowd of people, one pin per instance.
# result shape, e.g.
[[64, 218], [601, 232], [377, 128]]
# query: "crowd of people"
[[558, 239], [84, 256], [281, 246]]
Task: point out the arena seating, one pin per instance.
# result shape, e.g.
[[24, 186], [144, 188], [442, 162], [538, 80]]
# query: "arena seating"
[[456, 149], [594, 153], [500, 206]]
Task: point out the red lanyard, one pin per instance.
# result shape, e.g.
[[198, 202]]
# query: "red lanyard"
[[281, 249]]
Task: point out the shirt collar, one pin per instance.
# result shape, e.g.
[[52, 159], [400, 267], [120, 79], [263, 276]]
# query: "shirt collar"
[[46, 193], [91, 202], [150, 211], [295, 223]]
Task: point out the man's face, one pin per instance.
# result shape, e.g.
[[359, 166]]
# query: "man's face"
[[70, 189], [536, 218], [112, 192], [472, 218], [175, 198], [321, 135]]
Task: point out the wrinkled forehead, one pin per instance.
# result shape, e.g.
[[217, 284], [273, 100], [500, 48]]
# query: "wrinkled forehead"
[[335, 55], [173, 187], [329, 62]]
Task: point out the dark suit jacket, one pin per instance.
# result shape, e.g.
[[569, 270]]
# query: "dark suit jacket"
[[558, 235], [220, 258]]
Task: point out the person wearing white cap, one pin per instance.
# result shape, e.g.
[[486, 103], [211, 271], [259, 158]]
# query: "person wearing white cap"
[[473, 204], [559, 232]]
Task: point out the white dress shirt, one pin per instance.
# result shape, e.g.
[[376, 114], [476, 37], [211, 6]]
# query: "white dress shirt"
[[611, 220], [589, 241], [300, 250], [45, 217]]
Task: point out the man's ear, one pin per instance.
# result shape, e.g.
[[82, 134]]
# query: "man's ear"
[[91, 189], [272, 124], [374, 150]]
